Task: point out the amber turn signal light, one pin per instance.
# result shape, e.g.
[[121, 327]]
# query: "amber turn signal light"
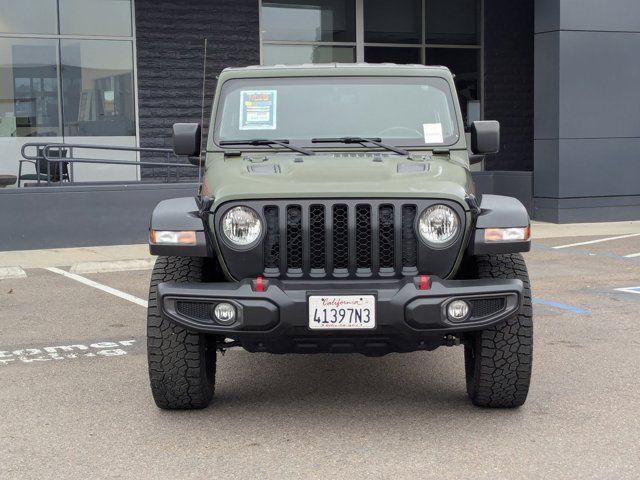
[[166, 237]]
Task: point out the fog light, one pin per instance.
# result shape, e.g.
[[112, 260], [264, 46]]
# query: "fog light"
[[458, 310], [224, 313]]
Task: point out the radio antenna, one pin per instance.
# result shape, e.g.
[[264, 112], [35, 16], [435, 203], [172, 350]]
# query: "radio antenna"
[[204, 80]]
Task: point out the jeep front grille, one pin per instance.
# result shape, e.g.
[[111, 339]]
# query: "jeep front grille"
[[340, 239]]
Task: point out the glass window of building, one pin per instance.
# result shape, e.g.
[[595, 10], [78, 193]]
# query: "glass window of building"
[[465, 65], [95, 17], [97, 88], [28, 16], [392, 55], [399, 21], [433, 32], [29, 104], [66, 70], [54, 86], [308, 20], [453, 22], [293, 54]]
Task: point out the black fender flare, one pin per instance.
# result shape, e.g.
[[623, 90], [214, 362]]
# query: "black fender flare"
[[497, 211], [180, 214]]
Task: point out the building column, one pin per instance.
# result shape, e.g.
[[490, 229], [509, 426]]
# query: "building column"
[[587, 110]]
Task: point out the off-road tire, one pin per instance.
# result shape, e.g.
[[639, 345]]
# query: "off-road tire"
[[182, 363], [498, 360]]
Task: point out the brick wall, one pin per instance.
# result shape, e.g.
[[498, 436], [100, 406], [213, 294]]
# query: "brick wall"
[[508, 61], [170, 37]]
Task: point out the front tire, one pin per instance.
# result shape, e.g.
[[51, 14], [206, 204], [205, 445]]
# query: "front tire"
[[498, 360], [182, 363]]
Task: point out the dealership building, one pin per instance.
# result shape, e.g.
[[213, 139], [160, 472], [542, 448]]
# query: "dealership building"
[[561, 76]]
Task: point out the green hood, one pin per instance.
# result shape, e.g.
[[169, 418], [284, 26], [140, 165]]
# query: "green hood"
[[336, 175]]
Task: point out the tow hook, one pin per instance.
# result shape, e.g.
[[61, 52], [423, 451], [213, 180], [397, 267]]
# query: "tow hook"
[[451, 340], [223, 345]]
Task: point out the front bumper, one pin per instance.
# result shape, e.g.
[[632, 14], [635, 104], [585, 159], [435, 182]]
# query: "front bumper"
[[276, 319]]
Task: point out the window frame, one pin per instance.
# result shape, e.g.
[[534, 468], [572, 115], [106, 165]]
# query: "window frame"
[[360, 44], [58, 37]]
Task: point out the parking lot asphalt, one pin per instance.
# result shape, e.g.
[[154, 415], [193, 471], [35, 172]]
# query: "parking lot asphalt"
[[75, 400]]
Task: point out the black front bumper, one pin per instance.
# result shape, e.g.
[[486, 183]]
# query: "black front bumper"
[[276, 319]]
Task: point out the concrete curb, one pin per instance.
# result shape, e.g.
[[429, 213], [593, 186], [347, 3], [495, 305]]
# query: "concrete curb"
[[553, 230], [65, 257], [11, 272]]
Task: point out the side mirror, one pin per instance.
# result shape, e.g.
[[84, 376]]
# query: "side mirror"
[[485, 137], [186, 139]]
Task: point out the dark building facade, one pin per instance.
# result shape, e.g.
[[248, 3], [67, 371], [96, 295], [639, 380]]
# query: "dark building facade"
[[561, 76], [587, 110], [170, 48]]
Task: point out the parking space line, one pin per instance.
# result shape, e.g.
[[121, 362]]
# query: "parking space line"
[[568, 251], [561, 306], [113, 266], [600, 240], [629, 290], [99, 286]]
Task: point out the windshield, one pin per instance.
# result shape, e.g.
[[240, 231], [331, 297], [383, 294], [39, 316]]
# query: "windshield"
[[402, 111]]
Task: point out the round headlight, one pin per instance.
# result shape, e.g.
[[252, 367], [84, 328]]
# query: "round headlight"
[[241, 225], [438, 224]]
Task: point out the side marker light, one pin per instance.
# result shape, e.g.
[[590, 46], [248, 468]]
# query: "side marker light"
[[507, 234]]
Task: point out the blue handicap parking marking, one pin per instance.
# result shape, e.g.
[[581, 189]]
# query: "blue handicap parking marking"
[[561, 306]]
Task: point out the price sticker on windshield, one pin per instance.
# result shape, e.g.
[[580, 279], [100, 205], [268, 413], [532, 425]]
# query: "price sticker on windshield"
[[433, 133], [258, 109]]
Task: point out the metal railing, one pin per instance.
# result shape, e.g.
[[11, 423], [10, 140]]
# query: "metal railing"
[[51, 153]]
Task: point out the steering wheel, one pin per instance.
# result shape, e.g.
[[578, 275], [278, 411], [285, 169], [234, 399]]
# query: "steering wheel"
[[388, 131]]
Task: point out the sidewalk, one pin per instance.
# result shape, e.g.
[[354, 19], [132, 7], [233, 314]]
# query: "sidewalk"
[[64, 257], [137, 257], [553, 230]]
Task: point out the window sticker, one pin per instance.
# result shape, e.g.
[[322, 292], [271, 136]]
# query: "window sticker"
[[258, 109], [432, 133]]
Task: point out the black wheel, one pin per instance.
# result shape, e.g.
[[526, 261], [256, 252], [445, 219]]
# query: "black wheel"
[[182, 363], [498, 360]]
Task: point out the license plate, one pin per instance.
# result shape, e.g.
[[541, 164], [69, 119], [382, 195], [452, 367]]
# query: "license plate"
[[342, 312]]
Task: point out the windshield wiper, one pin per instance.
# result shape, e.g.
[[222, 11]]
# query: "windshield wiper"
[[361, 140], [264, 141]]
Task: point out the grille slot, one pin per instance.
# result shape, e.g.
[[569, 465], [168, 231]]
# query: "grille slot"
[[409, 245], [317, 237], [294, 237], [272, 238], [386, 236], [340, 237], [363, 237]]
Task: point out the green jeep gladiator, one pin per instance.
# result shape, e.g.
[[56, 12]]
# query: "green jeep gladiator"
[[337, 214]]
